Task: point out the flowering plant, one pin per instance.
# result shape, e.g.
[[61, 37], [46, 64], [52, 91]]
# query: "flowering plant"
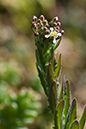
[[47, 38]]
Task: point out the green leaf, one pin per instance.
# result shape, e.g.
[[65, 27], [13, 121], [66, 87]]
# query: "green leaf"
[[53, 97], [52, 58], [66, 98], [57, 71], [51, 72], [57, 44], [43, 81], [58, 115], [50, 75], [39, 57], [62, 88], [71, 115], [75, 125], [83, 118]]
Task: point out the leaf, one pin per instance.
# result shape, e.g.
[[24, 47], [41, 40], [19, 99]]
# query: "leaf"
[[57, 44], [75, 125], [66, 98], [57, 71], [43, 81], [71, 115], [62, 88], [39, 57], [51, 72], [58, 115], [53, 97], [83, 119], [52, 58], [50, 75]]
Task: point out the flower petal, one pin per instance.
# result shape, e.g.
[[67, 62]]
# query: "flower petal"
[[54, 40], [59, 34], [51, 28], [47, 36]]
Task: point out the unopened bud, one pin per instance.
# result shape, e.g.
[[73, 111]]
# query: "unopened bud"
[[39, 20], [34, 18], [47, 31], [41, 24], [47, 25], [59, 23], [55, 24], [36, 33], [62, 32], [55, 19], [55, 29], [45, 22], [38, 24], [42, 17], [45, 28], [58, 28], [33, 23]]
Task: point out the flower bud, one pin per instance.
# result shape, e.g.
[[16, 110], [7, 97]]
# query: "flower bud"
[[34, 18], [58, 28], [55, 19], [33, 23], [36, 33], [39, 20], [45, 22], [47, 25], [55, 24], [42, 17], [41, 24], [38, 24], [59, 23], [45, 28], [62, 32], [47, 31]]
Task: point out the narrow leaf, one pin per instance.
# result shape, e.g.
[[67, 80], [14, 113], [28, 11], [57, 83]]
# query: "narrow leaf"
[[66, 99], [39, 57], [71, 115], [52, 58], [83, 118], [42, 79], [50, 75], [58, 115], [57, 71], [57, 44], [62, 88], [75, 125], [53, 97], [51, 72]]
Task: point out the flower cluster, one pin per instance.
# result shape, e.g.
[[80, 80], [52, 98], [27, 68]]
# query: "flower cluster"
[[47, 29]]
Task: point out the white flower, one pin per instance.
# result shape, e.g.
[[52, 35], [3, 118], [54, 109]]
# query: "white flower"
[[53, 34]]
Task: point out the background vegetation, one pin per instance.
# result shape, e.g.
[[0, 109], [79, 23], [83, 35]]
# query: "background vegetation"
[[17, 59]]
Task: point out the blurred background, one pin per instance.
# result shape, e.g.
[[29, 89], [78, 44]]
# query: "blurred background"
[[23, 104]]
